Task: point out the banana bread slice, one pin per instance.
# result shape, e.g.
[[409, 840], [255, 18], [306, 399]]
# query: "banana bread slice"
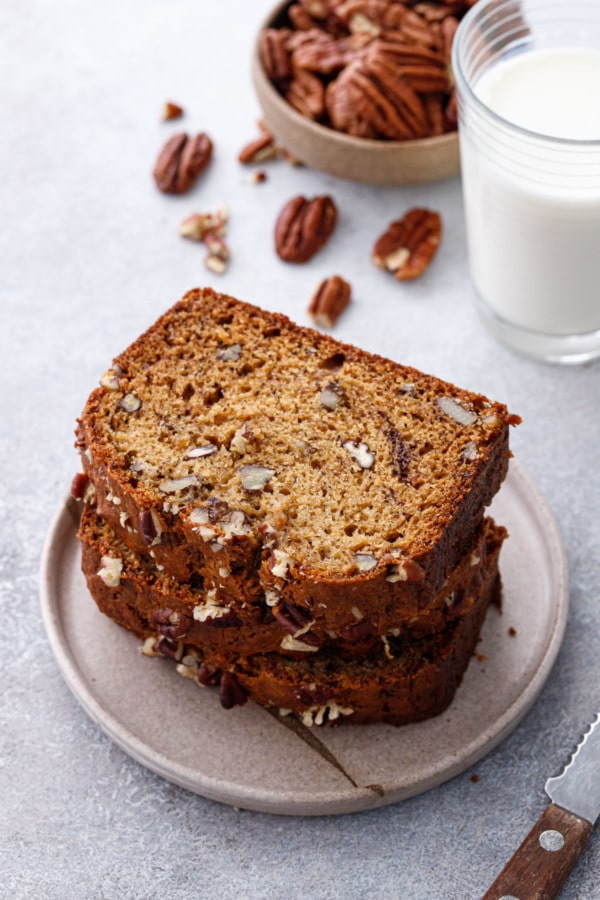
[[228, 440], [124, 583], [407, 680]]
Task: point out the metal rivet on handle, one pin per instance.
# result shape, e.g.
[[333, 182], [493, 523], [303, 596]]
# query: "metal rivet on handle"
[[551, 840]]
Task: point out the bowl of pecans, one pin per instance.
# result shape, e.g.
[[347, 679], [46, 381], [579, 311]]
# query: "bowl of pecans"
[[362, 89]]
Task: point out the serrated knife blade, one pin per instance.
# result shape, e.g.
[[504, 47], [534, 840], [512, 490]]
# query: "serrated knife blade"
[[578, 787], [547, 856]]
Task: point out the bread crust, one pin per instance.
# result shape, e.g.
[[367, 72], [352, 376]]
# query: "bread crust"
[[144, 597], [418, 683], [409, 571]]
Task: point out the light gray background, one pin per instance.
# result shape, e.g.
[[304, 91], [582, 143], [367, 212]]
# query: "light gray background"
[[89, 256]]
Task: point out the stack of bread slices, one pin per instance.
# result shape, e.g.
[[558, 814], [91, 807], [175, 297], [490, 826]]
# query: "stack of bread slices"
[[290, 519]]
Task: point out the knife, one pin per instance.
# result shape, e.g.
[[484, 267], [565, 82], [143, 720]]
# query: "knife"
[[547, 856]]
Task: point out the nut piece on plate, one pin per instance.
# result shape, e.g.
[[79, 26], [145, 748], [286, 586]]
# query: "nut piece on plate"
[[329, 301], [181, 161], [171, 111], [409, 244], [303, 227]]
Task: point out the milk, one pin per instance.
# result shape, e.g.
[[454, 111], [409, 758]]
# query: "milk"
[[550, 92], [532, 194]]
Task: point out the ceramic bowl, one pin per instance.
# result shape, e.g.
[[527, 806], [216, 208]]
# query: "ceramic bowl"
[[356, 159]]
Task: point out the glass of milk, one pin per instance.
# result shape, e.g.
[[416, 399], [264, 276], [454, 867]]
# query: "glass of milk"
[[528, 87]]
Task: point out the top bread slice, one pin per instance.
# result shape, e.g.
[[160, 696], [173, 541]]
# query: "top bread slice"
[[227, 442]]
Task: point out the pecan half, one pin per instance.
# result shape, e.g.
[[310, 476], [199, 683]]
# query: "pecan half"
[[79, 485], [359, 632], [326, 56], [295, 619], [303, 227], [274, 54], [171, 623], [424, 69], [306, 94], [329, 301], [231, 692], [369, 99], [181, 161], [409, 244], [414, 30], [300, 18]]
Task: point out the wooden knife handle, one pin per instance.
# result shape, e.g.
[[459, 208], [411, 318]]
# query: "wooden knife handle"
[[545, 859]]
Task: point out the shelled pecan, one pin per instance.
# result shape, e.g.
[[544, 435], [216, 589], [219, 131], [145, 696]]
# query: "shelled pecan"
[[422, 68], [306, 94], [181, 161], [329, 301], [274, 53], [366, 100], [373, 68], [300, 18], [303, 227], [327, 56], [409, 244], [305, 16], [260, 149]]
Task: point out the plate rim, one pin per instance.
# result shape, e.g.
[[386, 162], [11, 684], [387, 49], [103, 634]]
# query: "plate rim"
[[355, 799]]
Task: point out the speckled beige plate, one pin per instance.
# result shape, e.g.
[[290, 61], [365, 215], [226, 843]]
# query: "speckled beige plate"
[[248, 757]]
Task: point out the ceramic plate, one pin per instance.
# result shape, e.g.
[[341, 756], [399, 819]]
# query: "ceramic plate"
[[251, 758]]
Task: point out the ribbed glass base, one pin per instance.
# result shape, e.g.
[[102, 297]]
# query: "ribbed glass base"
[[569, 349]]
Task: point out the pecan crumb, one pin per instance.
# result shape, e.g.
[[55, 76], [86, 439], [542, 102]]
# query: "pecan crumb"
[[210, 228], [171, 111]]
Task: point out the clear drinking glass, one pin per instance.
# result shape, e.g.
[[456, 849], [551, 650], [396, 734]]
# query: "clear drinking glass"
[[532, 200]]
